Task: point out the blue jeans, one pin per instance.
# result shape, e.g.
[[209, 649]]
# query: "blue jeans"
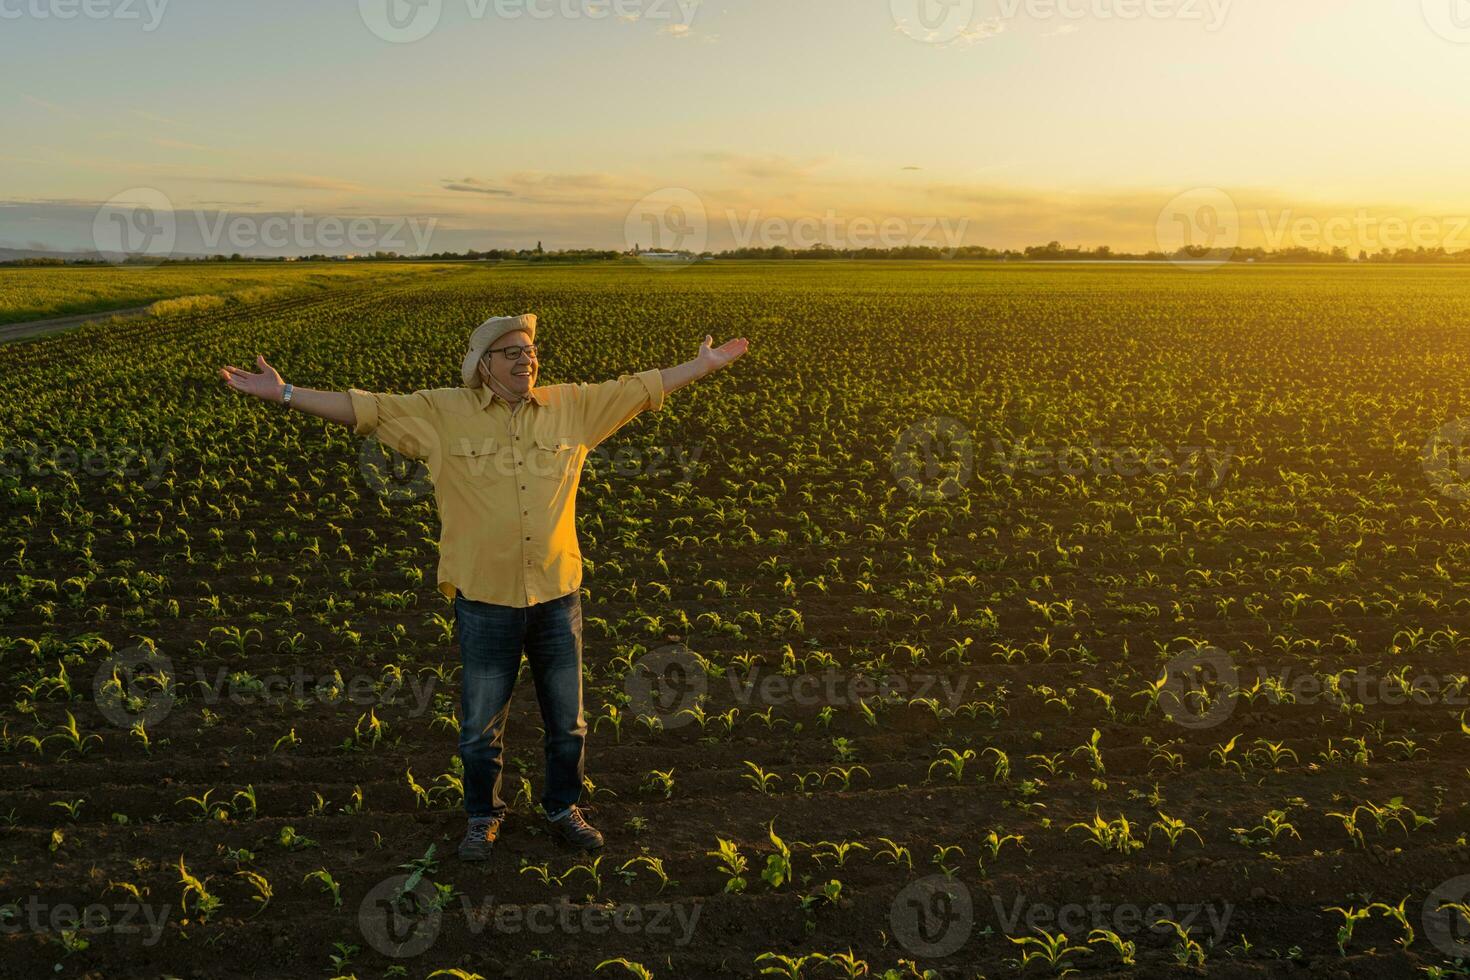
[[491, 640]]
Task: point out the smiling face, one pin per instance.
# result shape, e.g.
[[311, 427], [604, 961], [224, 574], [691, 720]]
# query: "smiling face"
[[518, 376]]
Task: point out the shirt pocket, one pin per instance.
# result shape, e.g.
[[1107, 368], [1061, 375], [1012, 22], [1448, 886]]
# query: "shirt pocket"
[[553, 458], [473, 458]]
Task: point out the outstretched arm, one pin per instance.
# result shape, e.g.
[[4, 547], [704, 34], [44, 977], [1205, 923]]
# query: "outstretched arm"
[[709, 360], [266, 384]]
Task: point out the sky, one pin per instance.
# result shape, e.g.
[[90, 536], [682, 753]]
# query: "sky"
[[283, 127]]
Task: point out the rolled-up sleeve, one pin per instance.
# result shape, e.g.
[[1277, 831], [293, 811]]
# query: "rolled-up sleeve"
[[407, 424], [606, 407]]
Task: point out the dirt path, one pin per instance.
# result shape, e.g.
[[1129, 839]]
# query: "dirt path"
[[38, 328]]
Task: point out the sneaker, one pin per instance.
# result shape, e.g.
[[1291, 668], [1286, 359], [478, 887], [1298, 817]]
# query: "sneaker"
[[479, 839], [574, 831]]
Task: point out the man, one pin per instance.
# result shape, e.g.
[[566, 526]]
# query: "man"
[[505, 458]]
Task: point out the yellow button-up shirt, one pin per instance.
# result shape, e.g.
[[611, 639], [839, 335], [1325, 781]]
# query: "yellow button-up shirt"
[[506, 482]]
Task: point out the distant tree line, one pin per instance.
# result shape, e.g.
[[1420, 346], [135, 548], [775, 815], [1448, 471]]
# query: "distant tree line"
[[1056, 252], [1050, 252]]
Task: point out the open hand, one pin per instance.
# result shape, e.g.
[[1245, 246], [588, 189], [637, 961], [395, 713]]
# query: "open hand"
[[712, 358], [265, 383]]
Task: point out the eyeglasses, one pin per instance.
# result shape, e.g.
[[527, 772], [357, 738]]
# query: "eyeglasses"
[[514, 353]]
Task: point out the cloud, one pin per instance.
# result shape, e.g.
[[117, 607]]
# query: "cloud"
[[472, 186], [769, 166], [297, 182]]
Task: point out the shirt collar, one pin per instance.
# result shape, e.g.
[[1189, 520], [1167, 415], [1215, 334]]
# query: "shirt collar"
[[484, 396]]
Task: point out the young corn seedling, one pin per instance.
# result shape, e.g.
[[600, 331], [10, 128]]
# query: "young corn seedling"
[[243, 802], [1110, 835], [1221, 754], [1173, 828], [778, 865], [951, 763], [1092, 751], [789, 967], [1002, 771], [991, 844], [420, 795], [328, 883], [72, 807], [944, 854], [761, 780], [829, 895], [1187, 952], [895, 852], [660, 781], [843, 776], [262, 886], [207, 810], [69, 736], [292, 841], [847, 965], [368, 737], [592, 869], [1350, 918], [615, 717], [1397, 914], [1125, 948], [656, 865], [1049, 950], [838, 851], [204, 904], [637, 970], [732, 863], [1272, 753]]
